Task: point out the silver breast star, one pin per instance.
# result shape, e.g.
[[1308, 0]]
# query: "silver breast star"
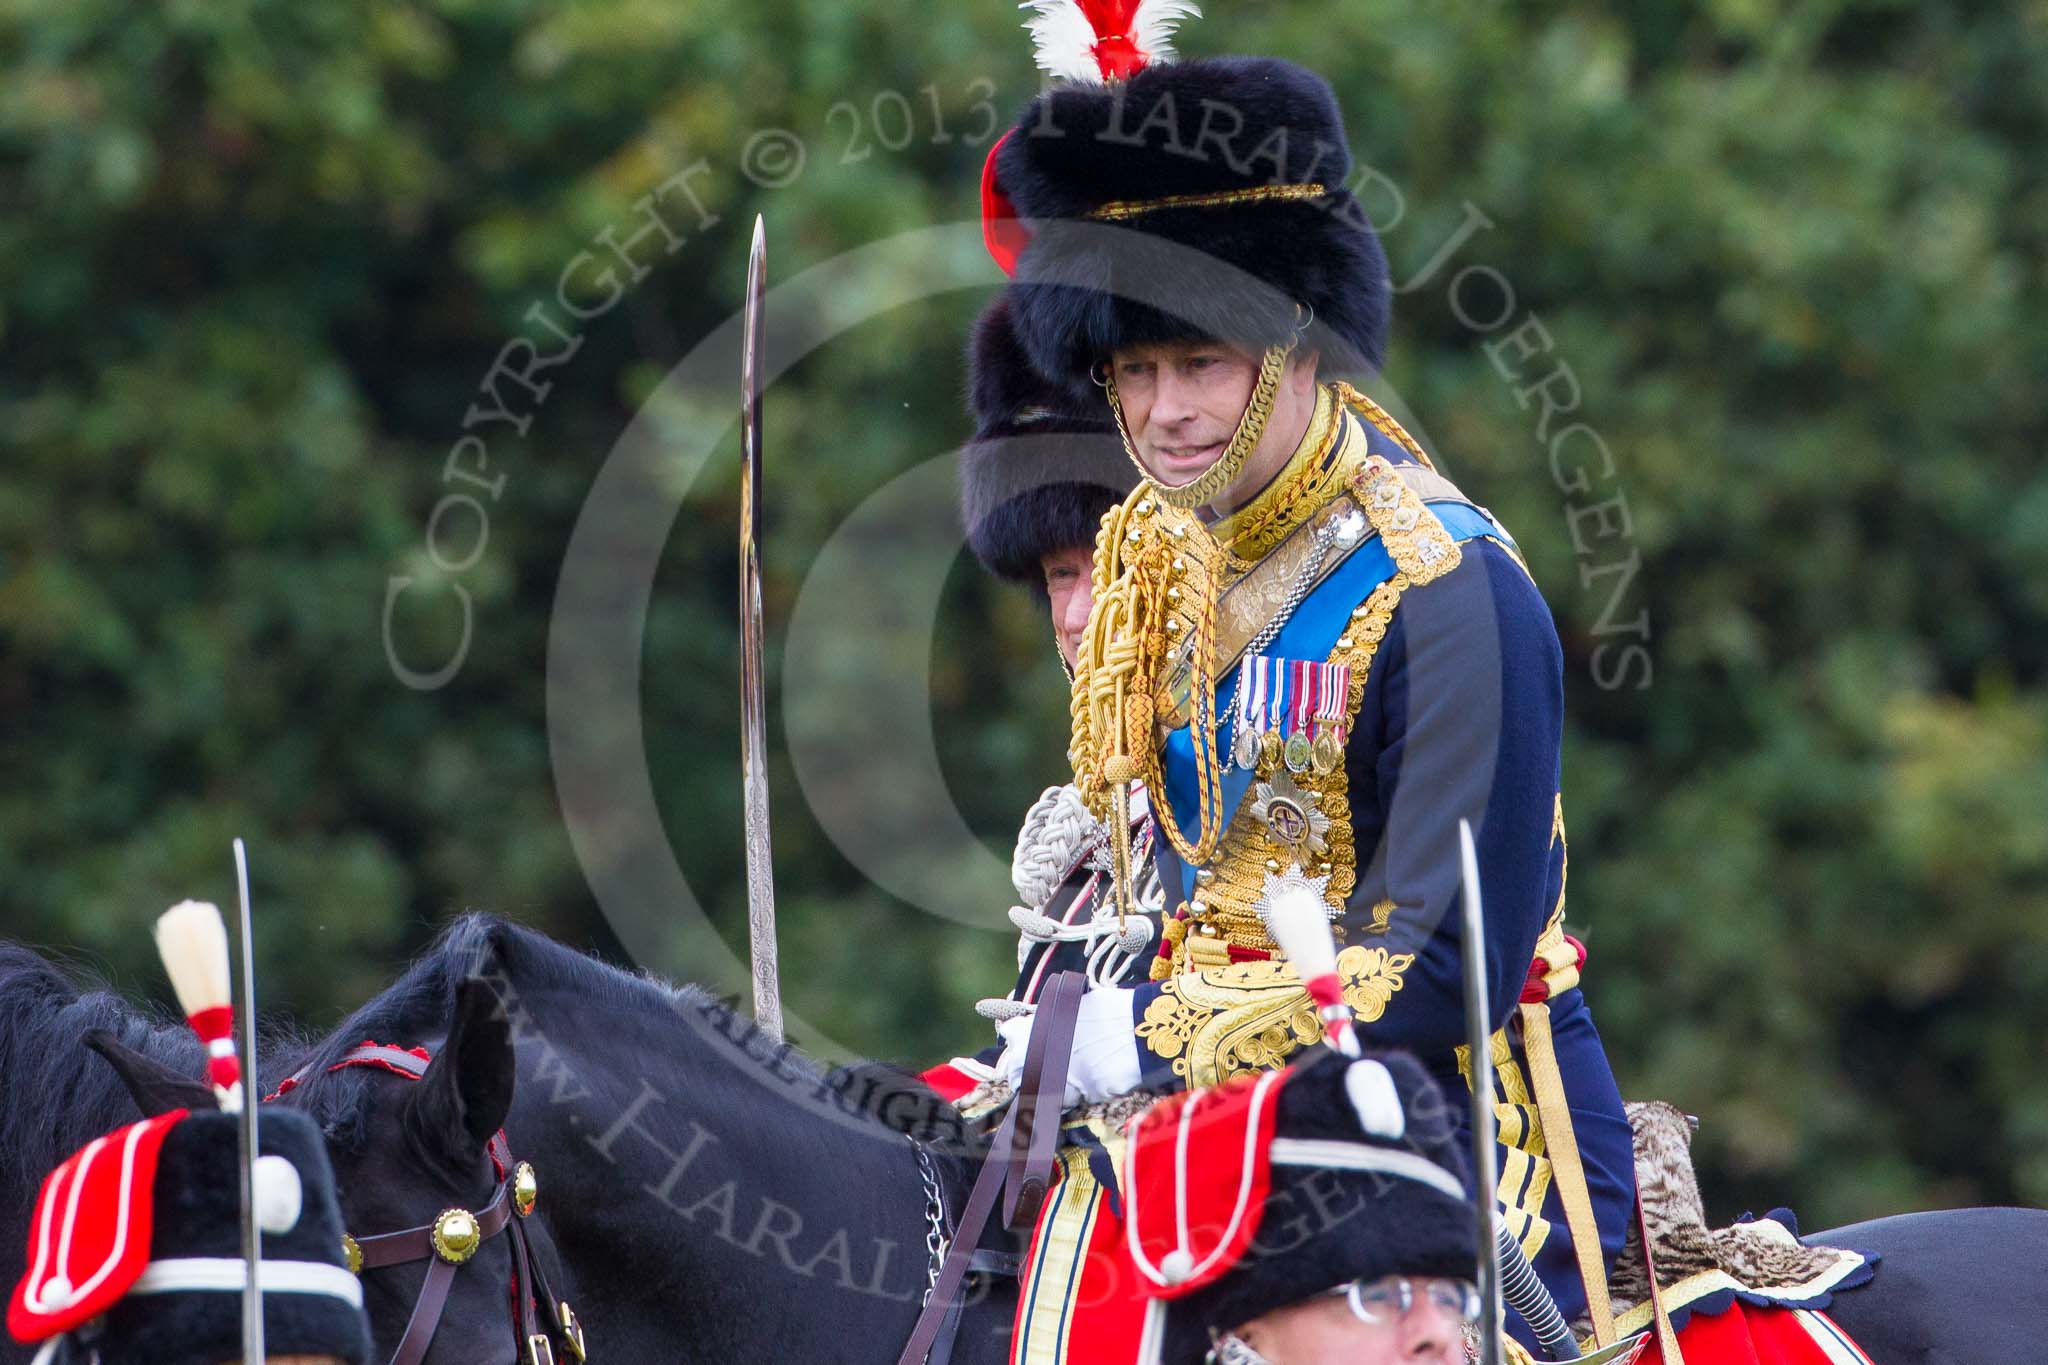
[[1292, 816], [1293, 879]]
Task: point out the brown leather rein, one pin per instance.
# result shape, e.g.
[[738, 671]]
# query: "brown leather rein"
[[454, 1237], [1017, 1172]]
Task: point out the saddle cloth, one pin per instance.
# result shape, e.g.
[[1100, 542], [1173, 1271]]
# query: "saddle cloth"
[[1080, 1300], [1741, 1334]]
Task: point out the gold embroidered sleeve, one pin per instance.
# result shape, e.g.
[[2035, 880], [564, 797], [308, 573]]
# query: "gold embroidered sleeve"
[[1252, 1016]]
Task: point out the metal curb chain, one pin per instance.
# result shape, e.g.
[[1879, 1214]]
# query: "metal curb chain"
[[1297, 590], [936, 1242]]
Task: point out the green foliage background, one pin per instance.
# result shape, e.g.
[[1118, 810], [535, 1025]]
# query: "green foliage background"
[[256, 257]]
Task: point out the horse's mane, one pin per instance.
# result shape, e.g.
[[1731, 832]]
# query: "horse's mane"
[[61, 1095], [417, 1008], [412, 1010]]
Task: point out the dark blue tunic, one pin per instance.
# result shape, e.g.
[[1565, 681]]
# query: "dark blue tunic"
[[1462, 716]]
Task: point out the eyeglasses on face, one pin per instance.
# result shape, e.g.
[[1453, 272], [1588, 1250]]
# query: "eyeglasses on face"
[[1391, 1297], [1380, 1302]]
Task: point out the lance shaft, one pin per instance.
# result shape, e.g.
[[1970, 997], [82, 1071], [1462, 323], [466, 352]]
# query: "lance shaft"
[[1504, 1269]]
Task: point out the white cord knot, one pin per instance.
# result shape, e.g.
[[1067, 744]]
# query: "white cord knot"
[[1039, 928], [1001, 1009]]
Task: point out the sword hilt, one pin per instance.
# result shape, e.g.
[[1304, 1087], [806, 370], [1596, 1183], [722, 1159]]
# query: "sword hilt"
[[1525, 1294]]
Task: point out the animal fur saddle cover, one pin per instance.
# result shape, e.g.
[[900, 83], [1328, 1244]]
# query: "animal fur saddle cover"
[[1763, 1260]]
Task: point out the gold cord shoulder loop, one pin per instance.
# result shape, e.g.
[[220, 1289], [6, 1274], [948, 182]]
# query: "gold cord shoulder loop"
[[1384, 420]]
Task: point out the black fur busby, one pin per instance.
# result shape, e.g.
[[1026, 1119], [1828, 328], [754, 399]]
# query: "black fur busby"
[[197, 1215], [1044, 464], [1248, 131], [1325, 1225]]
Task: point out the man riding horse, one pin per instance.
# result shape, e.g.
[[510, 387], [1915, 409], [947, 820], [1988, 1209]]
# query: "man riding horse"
[[1308, 648]]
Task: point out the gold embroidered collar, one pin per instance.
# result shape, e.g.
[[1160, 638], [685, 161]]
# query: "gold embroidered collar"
[[1312, 476]]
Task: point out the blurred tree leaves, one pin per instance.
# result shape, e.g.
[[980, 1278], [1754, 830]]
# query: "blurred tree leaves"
[[256, 259]]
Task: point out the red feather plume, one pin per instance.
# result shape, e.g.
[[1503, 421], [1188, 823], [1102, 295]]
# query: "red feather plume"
[[1093, 42]]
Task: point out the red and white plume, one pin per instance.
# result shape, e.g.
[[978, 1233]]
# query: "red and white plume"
[[192, 939], [1298, 919], [1093, 42]]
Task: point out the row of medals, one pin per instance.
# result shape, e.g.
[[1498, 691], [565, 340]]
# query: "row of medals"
[[1319, 752], [1297, 752]]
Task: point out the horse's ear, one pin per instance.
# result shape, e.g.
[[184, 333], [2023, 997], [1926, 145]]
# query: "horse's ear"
[[466, 1092], [156, 1088]]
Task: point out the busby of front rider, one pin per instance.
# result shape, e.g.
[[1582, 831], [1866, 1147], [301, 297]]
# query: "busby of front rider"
[[135, 1250]]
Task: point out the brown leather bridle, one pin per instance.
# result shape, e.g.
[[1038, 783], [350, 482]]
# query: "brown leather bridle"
[[456, 1235]]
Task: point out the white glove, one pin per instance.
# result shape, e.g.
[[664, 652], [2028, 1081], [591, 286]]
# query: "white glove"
[[1105, 1057]]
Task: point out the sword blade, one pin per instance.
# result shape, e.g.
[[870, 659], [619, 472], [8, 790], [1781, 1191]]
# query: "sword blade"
[[1479, 1030], [753, 722], [252, 1092]]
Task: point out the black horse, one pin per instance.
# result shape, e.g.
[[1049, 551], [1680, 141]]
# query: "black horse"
[[722, 1199], [718, 1197], [403, 1151]]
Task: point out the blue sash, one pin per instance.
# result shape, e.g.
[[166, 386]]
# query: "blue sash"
[[1311, 633]]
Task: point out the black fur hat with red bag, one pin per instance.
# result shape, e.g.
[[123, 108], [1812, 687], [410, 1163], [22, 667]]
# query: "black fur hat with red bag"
[[1148, 200], [1261, 1193], [135, 1247]]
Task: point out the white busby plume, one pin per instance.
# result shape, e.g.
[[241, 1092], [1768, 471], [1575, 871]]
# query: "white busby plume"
[[1094, 42], [1298, 919], [192, 939]]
